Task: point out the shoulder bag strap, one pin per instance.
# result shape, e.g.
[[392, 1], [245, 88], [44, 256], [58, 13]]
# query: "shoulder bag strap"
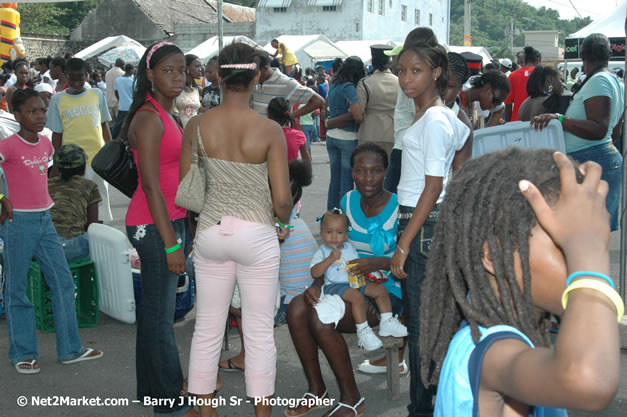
[[363, 81], [199, 138]]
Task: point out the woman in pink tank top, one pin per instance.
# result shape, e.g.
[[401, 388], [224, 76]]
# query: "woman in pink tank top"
[[156, 225]]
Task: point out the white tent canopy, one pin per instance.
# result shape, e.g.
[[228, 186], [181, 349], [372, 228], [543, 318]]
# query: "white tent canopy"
[[611, 25], [362, 48], [210, 47], [106, 44], [309, 49], [479, 50]]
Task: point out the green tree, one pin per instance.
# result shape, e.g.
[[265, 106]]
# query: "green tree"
[[53, 18], [491, 22]]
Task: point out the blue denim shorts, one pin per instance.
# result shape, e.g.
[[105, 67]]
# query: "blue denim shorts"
[[340, 289]]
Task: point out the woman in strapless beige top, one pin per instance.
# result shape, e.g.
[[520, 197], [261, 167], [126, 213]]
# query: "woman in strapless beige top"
[[244, 158]]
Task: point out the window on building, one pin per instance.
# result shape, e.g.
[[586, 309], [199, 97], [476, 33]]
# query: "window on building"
[[357, 27], [370, 6], [430, 19], [382, 7], [391, 5], [417, 17], [403, 13], [280, 10], [329, 8]]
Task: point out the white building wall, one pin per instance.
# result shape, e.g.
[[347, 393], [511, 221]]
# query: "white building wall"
[[300, 19], [353, 21]]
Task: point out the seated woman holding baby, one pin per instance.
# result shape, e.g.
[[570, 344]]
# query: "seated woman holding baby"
[[315, 322]]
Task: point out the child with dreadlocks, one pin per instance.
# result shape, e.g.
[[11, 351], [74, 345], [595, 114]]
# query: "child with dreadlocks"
[[331, 260], [521, 234]]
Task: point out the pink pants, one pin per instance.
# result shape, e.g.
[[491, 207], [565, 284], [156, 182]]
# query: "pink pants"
[[249, 253]]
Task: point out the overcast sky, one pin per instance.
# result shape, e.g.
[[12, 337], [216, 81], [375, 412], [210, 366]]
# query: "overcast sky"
[[592, 8]]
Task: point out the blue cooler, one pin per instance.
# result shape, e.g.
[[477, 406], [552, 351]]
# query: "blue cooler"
[[185, 294]]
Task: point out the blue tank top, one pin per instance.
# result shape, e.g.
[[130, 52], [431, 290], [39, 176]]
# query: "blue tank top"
[[458, 386]]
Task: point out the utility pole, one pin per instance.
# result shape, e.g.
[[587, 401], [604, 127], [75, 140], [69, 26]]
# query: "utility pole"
[[511, 35], [220, 26], [467, 36]]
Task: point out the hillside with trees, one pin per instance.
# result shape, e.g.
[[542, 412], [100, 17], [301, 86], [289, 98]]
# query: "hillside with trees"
[[491, 23]]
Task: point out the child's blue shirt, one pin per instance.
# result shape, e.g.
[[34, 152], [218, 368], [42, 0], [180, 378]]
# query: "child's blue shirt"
[[336, 273], [461, 372]]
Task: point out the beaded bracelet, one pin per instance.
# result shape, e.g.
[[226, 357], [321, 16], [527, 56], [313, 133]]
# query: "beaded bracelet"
[[589, 274], [601, 287], [175, 247]]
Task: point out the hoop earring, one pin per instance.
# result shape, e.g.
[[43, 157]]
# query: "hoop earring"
[[550, 88]]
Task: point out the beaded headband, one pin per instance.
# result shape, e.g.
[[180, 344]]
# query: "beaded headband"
[[154, 49], [252, 66]]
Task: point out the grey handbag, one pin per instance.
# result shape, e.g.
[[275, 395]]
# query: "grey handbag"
[[191, 191]]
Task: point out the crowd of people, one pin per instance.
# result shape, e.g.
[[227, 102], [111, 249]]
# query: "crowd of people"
[[466, 259]]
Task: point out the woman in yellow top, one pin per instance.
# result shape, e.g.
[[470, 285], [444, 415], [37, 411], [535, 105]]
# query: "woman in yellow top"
[[288, 59]]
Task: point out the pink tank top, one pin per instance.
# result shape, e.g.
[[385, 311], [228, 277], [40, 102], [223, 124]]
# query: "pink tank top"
[[170, 152]]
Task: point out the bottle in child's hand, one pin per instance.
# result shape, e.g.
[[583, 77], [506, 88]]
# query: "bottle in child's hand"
[[355, 281]]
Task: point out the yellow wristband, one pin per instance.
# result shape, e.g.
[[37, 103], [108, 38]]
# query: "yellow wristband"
[[599, 286], [1, 196]]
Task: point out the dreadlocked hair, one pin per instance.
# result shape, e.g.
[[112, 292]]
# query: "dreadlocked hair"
[[483, 206], [143, 86], [300, 176]]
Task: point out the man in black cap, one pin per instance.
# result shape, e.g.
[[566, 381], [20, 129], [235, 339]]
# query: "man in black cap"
[[474, 62], [377, 99]]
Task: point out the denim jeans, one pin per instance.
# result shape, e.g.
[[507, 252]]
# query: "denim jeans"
[[420, 398], [611, 161], [75, 248], [119, 121], [158, 368], [316, 132], [33, 234], [341, 174], [394, 171], [309, 131]]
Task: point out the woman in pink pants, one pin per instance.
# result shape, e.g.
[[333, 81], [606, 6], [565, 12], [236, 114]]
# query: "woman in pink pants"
[[236, 239]]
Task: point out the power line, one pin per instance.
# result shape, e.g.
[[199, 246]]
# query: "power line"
[[571, 3]]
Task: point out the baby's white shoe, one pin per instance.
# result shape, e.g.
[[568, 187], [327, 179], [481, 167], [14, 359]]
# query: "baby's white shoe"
[[392, 327], [366, 339]]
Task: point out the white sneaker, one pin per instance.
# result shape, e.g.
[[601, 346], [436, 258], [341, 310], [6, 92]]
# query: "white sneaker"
[[392, 327], [366, 339]]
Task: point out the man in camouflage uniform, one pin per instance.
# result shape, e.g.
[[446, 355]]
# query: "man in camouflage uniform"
[[75, 201]]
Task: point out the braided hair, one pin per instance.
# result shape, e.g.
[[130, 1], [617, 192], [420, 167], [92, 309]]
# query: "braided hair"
[[458, 66], [279, 111], [483, 206]]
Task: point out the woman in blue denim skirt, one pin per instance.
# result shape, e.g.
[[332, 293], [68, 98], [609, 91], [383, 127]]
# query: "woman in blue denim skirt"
[[344, 118], [593, 119]]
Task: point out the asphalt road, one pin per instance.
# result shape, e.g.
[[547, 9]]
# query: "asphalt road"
[[113, 376]]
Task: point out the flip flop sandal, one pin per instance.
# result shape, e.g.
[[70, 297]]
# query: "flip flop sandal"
[[368, 368], [352, 407], [27, 371], [87, 355], [230, 367], [305, 399]]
